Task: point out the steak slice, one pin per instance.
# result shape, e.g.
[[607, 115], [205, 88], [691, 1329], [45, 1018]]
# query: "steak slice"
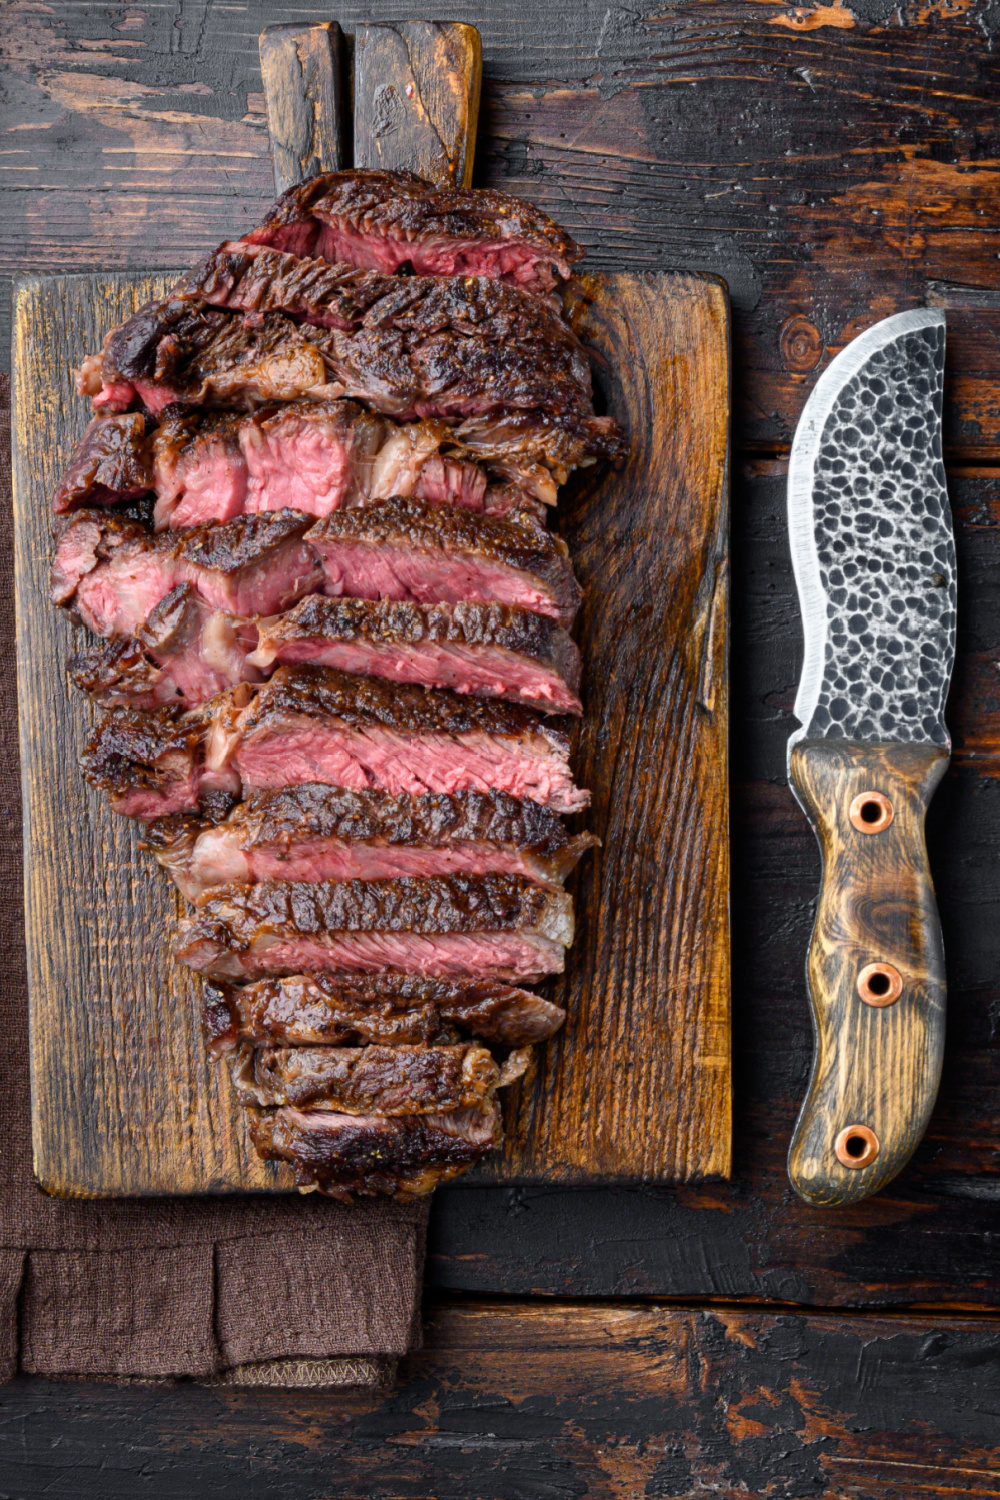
[[249, 278], [404, 1080], [463, 927], [406, 549], [110, 463], [404, 1157], [114, 571], [387, 220], [453, 372], [315, 832], [310, 456], [184, 653], [324, 1010], [486, 650], [152, 764], [316, 724]]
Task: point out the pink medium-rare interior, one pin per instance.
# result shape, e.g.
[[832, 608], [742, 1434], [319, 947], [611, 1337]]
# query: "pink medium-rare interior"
[[336, 755], [218, 859], [448, 955], [480, 671]]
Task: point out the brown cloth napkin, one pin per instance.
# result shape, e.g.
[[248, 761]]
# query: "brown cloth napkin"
[[254, 1290]]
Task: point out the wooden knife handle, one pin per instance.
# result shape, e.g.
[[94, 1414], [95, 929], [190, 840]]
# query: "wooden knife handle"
[[875, 968]]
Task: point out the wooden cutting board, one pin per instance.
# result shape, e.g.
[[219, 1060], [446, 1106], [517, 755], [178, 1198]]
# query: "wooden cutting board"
[[636, 1088]]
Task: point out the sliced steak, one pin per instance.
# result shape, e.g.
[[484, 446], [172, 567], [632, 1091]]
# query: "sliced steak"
[[463, 927], [486, 650], [406, 549], [114, 571], [402, 371], [404, 1157], [324, 1010], [391, 219], [310, 456], [316, 832], [317, 724], [111, 462], [404, 1080], [249, 278], [184, 653], [152, 764]]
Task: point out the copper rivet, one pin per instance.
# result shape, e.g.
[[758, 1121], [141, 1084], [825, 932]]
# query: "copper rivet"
[[880, 984], [856, 1146], [871, 812]]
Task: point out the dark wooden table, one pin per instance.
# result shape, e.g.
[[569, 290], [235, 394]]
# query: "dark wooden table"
[[835, 164]]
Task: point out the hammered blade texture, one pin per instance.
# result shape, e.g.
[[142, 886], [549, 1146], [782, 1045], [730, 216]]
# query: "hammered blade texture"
[[886, 551]]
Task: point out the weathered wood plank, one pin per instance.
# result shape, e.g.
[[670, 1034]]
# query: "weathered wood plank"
[[416, 99], [301, 69], [527, 1402], [652, 963], [828, 174]]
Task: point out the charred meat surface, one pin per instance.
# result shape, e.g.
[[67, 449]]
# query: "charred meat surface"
[[403, 1080], [113, 572], [248, 278], [150, 764], [487, 926], [111, 462], [314, 832], [303, 1010], [484, 650], [403, 548], [184, 653], [386, 220], [317, 724], [373, 1155], [398, 370]]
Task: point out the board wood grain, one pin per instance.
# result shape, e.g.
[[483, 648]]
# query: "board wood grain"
[[416, 99], [302, 72], [637, 1087]]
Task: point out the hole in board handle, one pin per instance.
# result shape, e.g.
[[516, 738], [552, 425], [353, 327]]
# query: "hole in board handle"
[[871, 812], [856, 1146]]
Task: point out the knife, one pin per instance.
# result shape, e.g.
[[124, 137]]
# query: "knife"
[[874, 559]]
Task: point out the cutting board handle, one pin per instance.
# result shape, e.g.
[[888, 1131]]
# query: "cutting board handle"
[[416, 99]]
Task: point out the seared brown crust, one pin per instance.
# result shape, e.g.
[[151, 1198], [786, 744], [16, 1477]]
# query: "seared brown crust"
[[118, 671], [429, 904], [235, 544], [252, 278], [403, 1080], [400, 623], [111, 462], [158, 339], [406, 1157], [324, 1010], [146, 748], [516, 541], [323, 693], [286, 817], [403, 206]]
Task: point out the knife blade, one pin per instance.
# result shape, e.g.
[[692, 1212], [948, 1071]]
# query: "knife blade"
[[874, 560]]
